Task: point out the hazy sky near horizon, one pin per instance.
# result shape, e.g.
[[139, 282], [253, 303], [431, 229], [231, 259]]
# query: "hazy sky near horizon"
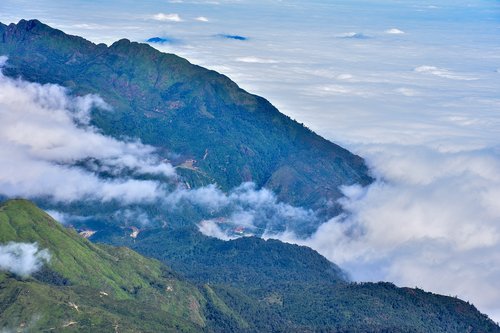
[[412, 86]]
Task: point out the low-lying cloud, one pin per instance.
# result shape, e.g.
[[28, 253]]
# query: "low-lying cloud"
[[256, 60], [48, 149], [402, 105], [244, 208], [353, 35], [430, 220], [211, 228], [22, 259], [58, 216]]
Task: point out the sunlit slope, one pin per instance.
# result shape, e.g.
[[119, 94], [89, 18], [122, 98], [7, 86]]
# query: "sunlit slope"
[[93, 285]]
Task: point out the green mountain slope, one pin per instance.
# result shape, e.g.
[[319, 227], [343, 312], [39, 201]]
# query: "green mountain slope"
[[246, 285], [294, 286], [169, 103], [250, 262], [95, 286]]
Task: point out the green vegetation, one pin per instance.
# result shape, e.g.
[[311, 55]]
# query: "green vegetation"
[[246, 285], [249, 262], [109, 286], [283, 287]]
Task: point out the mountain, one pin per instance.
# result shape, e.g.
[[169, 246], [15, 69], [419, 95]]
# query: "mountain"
[[304, 289], [213, 132], [165, 101], [87, 287]]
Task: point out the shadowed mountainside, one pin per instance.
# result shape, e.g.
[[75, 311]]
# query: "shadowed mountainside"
[[232, 135]]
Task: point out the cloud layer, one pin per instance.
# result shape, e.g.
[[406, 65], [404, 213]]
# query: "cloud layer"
[[245, 208], [202, 19], [22, 259], [48, 149], [430, 220], [394, 31], [442, 72]]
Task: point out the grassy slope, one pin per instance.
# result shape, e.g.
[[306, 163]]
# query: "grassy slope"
[[139, 290]]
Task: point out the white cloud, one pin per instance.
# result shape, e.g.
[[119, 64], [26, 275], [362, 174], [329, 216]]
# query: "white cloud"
[[211, 229], [3, 61], [407, 92], [208, 196], [256, 60], [447, 114], [45, 141], [442, 72], [90, 26], [431, 220], [22, 259], [244, 206], [202, 19], [394, 31], [167, 17], [353, 35], [58, 216], [132, 217], [344, 77], [337, 89]]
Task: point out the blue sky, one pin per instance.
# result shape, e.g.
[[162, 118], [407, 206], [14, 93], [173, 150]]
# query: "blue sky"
[[418, 97]]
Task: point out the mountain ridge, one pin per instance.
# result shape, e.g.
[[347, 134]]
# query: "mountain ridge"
[[160, 98]]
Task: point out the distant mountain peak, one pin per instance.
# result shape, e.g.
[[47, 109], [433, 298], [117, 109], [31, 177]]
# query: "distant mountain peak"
[[31, 26]]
